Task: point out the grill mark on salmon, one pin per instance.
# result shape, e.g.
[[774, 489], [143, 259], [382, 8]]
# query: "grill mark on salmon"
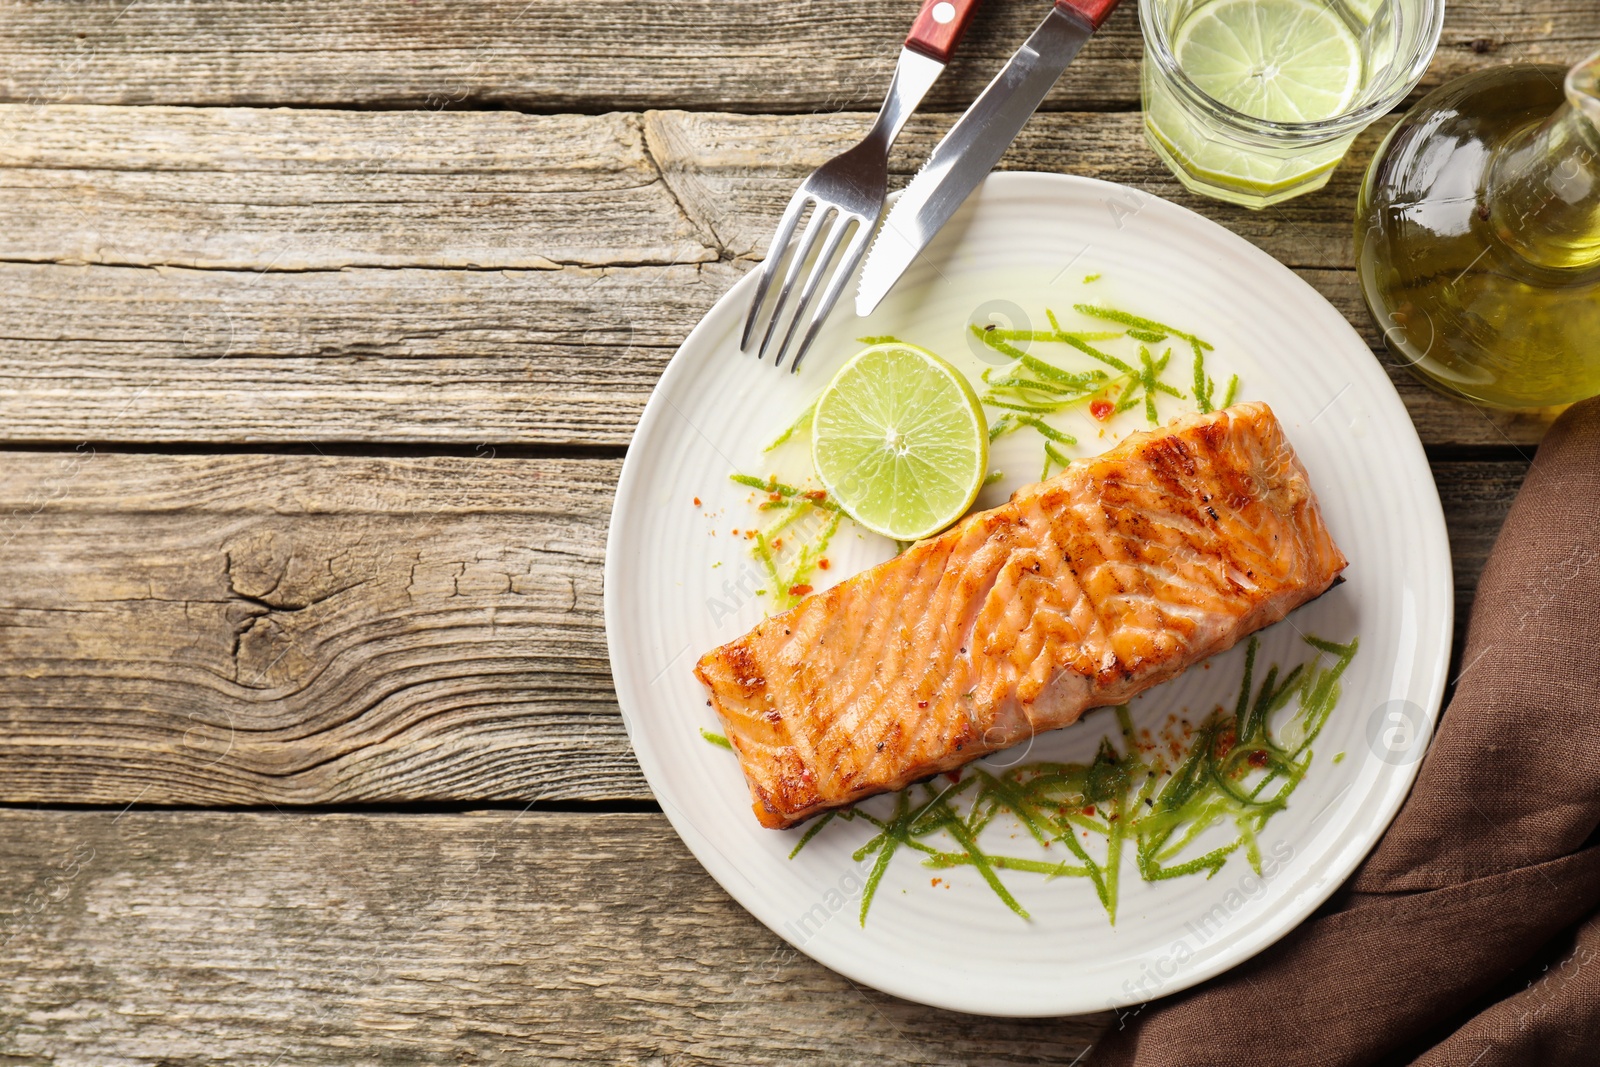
[[1082, 591]]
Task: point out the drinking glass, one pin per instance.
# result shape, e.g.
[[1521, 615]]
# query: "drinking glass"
[[1232, 155]]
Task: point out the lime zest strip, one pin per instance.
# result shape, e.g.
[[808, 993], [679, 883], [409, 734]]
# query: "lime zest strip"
[[1203, 385], [1052, 455], [803, 422], [1139, 323], [815, 497], [1050, 433], [999, 344], [1233, 390]]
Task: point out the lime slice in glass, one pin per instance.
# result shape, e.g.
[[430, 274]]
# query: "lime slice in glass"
[[1278, 60], [900, 442]]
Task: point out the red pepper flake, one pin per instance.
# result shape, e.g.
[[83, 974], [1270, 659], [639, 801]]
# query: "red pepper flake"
[[1089, 811], [696, 501], [1258, 758], [1225, 743], [818, 495], [736, 531], [954, 776], [1101, 408], [935, 882], [776, 498], [799, 590], [777, 543], [823, 564], [922, 703]]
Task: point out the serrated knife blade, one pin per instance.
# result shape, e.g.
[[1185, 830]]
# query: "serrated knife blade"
[[975, 144]]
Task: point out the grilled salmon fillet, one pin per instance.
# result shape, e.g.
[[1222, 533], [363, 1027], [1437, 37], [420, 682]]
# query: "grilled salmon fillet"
[[1082, 591]]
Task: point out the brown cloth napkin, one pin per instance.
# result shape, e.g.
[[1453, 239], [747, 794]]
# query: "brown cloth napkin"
[[1470, 936]]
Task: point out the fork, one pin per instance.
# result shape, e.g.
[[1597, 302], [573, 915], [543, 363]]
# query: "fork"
[[845, 195]]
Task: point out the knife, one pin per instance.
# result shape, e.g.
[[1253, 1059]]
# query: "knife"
[[975, 144]]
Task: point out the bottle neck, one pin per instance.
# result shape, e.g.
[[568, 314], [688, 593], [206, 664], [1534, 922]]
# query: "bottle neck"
[[1544, 192]]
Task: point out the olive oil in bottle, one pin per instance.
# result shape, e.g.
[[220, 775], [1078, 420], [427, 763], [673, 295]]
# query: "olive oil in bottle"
[[1478, 237]]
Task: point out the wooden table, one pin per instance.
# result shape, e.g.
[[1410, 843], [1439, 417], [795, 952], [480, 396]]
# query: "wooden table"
[[324, 330]]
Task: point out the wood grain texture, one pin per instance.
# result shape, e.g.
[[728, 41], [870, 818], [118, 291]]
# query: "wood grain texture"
[[551, 264], [290, 630], [256, 190], [97, 353], [291, 190], [306, 630], [194, 938], [598, 55], [296, 190], [1475, 497]]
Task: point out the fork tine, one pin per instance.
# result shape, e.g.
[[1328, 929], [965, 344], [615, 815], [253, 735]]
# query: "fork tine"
[[836, 237], [821, 220], [847, 267], [769, 267]]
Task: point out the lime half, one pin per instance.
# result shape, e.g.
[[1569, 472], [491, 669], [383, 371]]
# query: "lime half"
[[900, 442]]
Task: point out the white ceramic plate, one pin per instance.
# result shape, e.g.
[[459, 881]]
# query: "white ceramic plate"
[[677, 585]]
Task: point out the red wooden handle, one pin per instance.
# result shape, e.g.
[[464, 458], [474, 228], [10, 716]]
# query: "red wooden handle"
[[939, 27], [1094, 12]]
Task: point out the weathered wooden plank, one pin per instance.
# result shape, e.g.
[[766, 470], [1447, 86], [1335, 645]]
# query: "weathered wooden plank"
[[753, 55], [288, 190], [561, 357], [300, 630], [1475, 497], [286, 629], [254, 189], [285, 190], [205, 937], [302, 339]]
